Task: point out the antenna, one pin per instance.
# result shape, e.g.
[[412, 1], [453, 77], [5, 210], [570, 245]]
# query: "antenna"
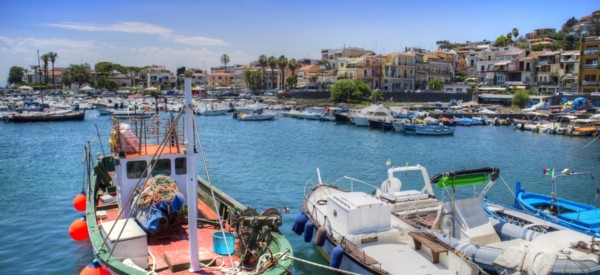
[[319, 176]]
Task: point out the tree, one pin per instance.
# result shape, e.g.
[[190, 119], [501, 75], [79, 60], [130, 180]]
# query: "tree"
[[272, 61], [253, 79], [132, 72], [509, 37], [443, 44], [569, 42], [52, 57], [568, 26], [104, 82], [293, 65], [520, 98], [459, 76], [522, 42], [104, 68], [225, 60], [435, 84], [291, 81], [263, 61], [282, 63], [500, 41], [45, 58], [515, 32], [15, 75], [79, 74], [345, 89], [377, 95]]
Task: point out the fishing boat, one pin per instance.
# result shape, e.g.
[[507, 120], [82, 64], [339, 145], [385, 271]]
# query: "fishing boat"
[[358, 232], [47, 115], [147, 211], [578, 216]]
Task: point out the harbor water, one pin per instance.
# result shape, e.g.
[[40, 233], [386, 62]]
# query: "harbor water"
[[261, 164]]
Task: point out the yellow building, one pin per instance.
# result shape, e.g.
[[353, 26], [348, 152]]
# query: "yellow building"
[[589, 74]]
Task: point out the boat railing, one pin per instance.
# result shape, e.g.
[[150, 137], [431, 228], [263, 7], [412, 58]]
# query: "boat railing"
[[136, 134]]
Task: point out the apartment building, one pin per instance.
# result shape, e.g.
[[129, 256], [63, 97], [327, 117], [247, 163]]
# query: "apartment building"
[[589, 73]]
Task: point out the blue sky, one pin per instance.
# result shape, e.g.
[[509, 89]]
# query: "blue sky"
[[197, 33]]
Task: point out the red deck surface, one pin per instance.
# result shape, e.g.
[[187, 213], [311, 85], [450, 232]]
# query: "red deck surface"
[[174, 244], [152, 149]]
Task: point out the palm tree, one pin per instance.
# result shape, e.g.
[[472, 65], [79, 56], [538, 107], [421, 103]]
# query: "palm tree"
[[515, 32], [225, 59], [293, 65], [45, 58], [263, 61], [52, 56], [272, 61], [282, 62]]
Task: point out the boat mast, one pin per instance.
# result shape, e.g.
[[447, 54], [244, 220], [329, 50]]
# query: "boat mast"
[[192, 191]]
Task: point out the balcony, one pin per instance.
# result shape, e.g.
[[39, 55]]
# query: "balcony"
[[590, 52], [589, 83], [591, 38], [548, 83], [590, 66]]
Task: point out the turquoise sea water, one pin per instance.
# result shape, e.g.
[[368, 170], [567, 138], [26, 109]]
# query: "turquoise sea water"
[[261, 164]]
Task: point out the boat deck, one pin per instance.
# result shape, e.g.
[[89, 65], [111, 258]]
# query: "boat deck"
[[170, 248]]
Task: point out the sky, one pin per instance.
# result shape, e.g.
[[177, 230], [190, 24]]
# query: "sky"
[[196, 33]]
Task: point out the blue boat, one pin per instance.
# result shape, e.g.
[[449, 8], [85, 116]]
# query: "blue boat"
[[429, 130], [578, 216]]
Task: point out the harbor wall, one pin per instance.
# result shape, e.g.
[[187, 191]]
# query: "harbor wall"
[[396, 96]]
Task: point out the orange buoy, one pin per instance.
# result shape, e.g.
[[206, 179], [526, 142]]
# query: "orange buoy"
[[94, 268], [78, 229], [79, 201]]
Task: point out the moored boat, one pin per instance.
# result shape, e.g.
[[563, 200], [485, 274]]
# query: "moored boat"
[[257, 115], [45, 116], [358, 232], [578, 216], [147, 210]]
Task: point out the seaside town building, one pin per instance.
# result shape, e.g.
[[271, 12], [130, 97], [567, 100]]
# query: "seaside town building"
[[589, 74]]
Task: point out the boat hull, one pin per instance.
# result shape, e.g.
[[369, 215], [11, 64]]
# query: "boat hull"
[[74, 116]]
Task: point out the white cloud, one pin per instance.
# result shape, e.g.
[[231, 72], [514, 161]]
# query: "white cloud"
[[129, 27], [29, 42], [141, 28], [198, 41]]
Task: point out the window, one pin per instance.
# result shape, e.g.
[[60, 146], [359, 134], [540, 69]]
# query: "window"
[[161, 167], [135, 169], [364, 73], [180, 166]]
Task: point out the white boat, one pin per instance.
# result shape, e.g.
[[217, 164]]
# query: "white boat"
[[256, 115], [358, 232], [496, 245], [310, 113], [211, 108], [374, 112]]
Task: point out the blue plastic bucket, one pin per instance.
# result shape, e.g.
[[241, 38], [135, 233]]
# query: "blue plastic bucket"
[[219, 243]]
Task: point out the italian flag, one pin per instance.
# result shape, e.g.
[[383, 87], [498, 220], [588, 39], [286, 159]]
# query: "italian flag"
[[549, 171]]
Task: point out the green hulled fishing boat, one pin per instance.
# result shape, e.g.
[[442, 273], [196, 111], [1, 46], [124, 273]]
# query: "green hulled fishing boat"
[[147, 211]]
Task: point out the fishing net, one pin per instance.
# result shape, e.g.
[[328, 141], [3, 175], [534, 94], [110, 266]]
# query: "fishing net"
[[158, 207]]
